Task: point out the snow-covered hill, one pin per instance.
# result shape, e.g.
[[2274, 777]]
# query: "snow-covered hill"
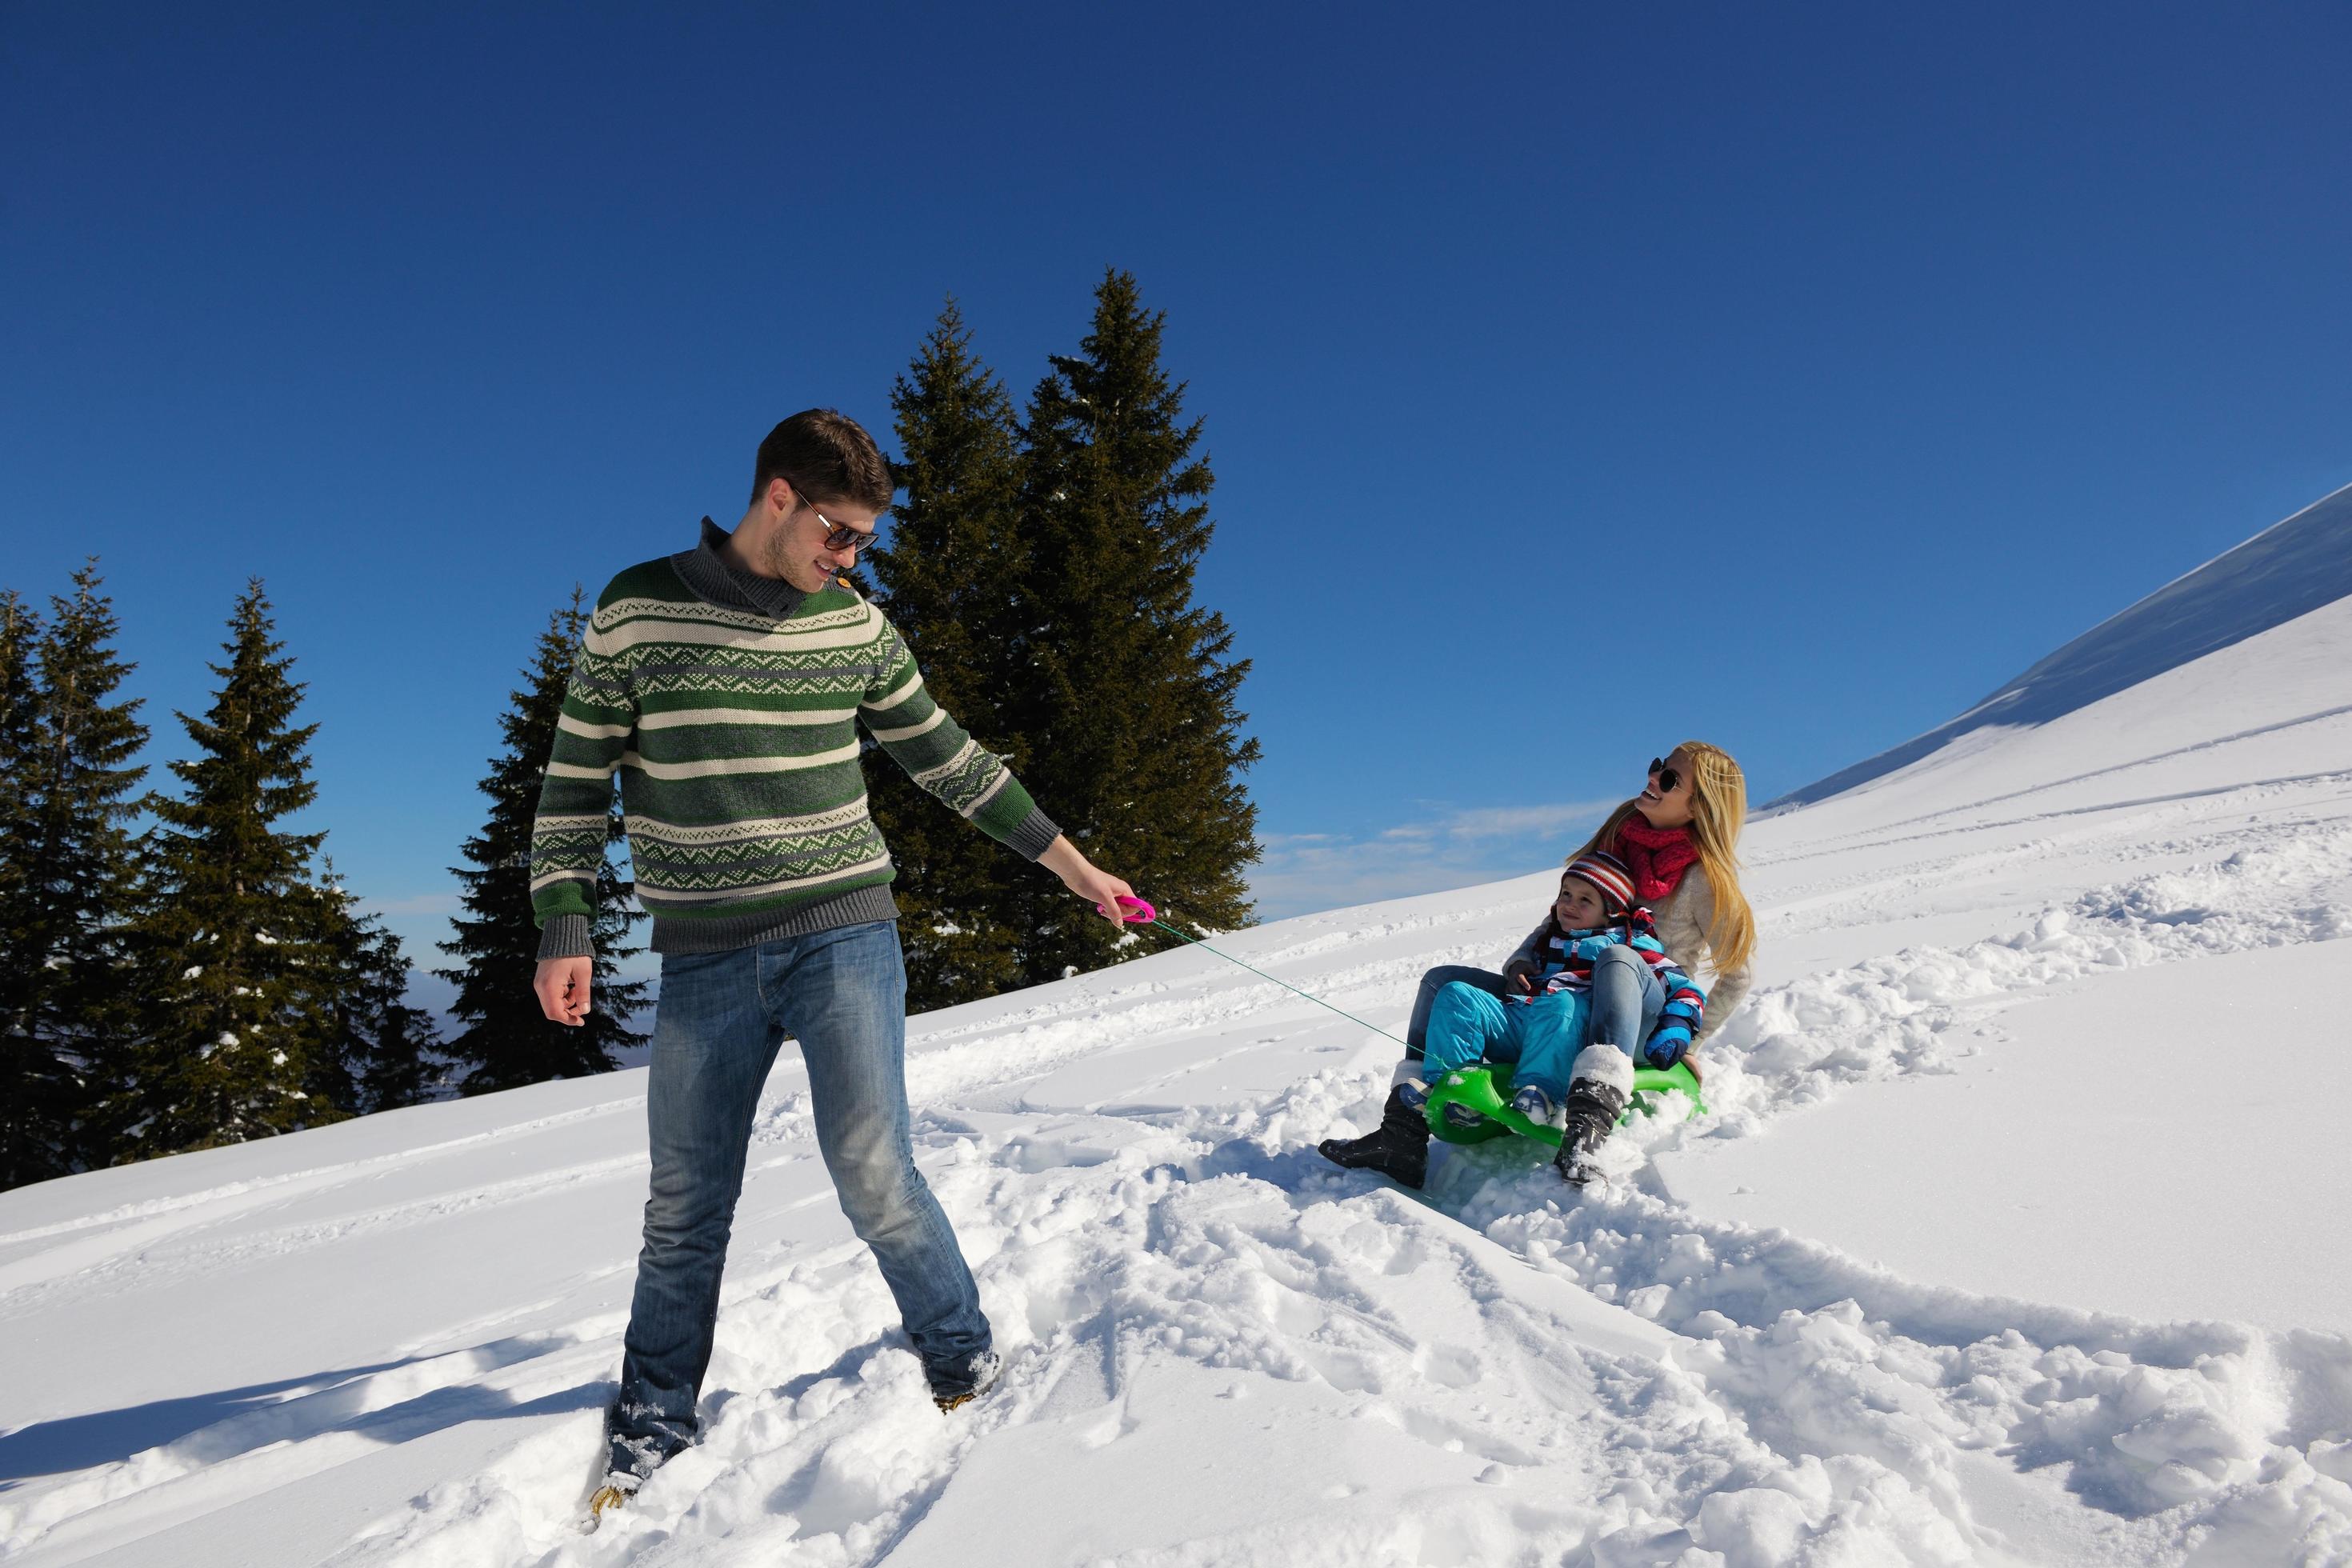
[[2012, 1237], [2287, 570]]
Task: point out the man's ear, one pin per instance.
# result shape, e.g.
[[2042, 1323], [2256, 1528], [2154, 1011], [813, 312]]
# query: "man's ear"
[[779, 494]]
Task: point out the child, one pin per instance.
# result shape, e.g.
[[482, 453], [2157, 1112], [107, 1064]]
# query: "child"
[[1592, 990], [1592, 980]]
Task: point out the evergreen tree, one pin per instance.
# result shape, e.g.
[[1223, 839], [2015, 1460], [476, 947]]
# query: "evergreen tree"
[[949, 573], [37, 1087], [236, 939], [33, 1111], [20, 633], [63, 996], [1126, 688], [382, 1053], [506, 1037]]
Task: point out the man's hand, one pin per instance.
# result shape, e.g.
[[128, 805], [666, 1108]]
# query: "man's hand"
[[1081, 876], [562, 987], [1521, 976]]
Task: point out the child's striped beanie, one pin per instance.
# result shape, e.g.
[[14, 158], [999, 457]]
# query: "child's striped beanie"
[[1608, 873]]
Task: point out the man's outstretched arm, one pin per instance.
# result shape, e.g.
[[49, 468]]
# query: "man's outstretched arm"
[[967, 779]]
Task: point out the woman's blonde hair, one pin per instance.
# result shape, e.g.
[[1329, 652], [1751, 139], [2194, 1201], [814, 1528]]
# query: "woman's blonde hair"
[[1718, 811]]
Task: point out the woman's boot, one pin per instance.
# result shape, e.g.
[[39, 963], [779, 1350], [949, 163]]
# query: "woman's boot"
[[1397, 1148], [1598, 1088]]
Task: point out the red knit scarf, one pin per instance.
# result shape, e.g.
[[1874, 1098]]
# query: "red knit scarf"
[[1657, 856]]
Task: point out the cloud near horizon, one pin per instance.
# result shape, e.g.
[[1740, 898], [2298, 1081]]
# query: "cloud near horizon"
[[1302, 873]]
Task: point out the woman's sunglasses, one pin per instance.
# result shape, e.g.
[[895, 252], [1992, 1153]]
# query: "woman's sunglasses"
[[1669, 779]]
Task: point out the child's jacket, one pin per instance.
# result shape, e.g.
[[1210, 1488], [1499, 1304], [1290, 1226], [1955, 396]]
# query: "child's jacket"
[[1564, 962]]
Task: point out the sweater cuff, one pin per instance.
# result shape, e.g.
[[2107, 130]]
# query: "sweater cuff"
[[1034, 836], [566, 936]]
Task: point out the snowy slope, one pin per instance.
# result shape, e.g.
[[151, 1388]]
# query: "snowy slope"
[[2112, 1332], [2284, 572], [2197, 814]]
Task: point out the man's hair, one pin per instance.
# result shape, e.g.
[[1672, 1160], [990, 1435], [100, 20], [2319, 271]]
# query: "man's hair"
[[825, 455]]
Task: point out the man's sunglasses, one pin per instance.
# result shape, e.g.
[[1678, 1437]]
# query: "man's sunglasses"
[[1669, 779], [840, 535]]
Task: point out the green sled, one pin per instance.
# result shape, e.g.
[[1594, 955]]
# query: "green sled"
[[1487, 1089]]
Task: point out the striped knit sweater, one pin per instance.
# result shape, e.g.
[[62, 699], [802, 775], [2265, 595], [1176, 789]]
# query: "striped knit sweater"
[[728, 704]]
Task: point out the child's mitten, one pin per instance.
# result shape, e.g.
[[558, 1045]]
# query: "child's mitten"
[[1666, 1045]]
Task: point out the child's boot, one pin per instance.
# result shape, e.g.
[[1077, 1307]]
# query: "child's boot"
[[1535, 1102], [1596, 1090], [1397, 1148]]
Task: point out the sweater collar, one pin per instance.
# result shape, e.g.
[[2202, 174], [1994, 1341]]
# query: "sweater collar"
[[708, 574]]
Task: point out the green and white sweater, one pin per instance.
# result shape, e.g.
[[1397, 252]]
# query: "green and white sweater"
[[728, 705]]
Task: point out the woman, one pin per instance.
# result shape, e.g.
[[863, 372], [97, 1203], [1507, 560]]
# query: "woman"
[[1678, 837]]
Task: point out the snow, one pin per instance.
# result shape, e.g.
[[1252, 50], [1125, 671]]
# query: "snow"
[[2010, 1238], [2166, 1144], [2283, 572]]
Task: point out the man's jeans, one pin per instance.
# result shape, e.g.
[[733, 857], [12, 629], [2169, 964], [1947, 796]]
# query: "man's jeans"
[[842, 994]]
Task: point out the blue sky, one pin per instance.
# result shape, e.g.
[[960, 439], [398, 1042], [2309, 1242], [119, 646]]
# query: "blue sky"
[[1575, 381]]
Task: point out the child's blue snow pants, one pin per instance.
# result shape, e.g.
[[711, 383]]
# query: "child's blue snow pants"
[[1544, 1034]]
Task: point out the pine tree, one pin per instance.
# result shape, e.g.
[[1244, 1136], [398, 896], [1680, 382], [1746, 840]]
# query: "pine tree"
[[383, 1053], [506, 1037], [37, 1087], [63, 996], [1127, 691], [236, 936], [949, 573], [20, 634], [35, 1099]]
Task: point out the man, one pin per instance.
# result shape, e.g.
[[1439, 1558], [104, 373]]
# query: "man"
[[724, 684]]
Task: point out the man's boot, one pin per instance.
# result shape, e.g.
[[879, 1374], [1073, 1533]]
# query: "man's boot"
[[960, 1382], [1397, 1148], [1598, 1088]]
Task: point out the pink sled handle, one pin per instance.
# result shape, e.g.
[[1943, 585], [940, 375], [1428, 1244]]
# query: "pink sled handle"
[[1144, 914]]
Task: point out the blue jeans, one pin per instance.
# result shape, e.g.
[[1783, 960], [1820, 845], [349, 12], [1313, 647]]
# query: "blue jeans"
[[1468, 1023], [722, 1017]]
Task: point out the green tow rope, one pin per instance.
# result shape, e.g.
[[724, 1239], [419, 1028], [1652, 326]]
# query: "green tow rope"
[[1262, 974], [1474, 1087]]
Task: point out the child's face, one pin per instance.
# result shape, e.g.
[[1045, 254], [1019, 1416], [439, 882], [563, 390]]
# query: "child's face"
[[1578, 906]]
